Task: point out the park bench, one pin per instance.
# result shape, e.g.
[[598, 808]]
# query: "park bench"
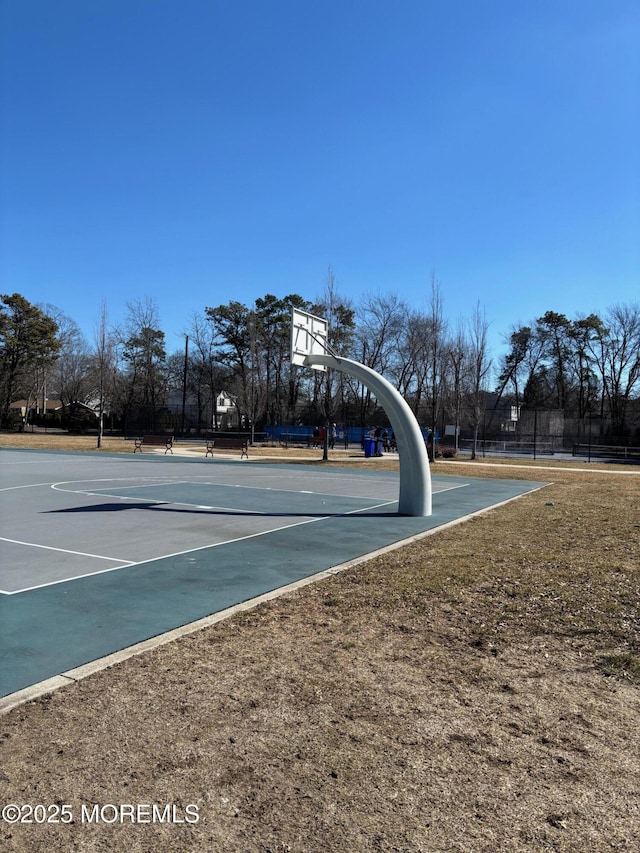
[[143, 441], [240, 444], [307, 440]]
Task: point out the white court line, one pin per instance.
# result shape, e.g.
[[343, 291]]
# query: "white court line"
[[28, 486], [183, 553], [215, 485], [137, 483], [76, 491], [388, 483], [56, 487], [365, 508], [451, 488], [67, 551], [151, 485], [163, 556], [286, 491]]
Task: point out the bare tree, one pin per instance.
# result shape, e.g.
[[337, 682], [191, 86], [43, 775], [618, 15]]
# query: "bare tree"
[[70, 376], [413, 366], [380, 326], [436, 351], [144, 357], [206, 376], [623, 361], [479, 366], [457, 350], [381, 323], [340, 317], [105, 362]]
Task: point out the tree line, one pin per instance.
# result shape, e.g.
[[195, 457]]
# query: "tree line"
[[584, 366]]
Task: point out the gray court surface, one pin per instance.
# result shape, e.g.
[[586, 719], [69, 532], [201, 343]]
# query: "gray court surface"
[[100, 552]]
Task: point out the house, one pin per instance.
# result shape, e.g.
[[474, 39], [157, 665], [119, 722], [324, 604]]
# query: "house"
[[227, 411], [223, 416], [30, 410]]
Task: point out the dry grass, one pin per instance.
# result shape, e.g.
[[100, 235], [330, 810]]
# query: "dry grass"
[[62, 441], [474, 691]]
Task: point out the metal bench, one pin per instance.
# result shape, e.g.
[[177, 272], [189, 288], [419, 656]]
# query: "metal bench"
[[287, 439], [240, 444], [143, 441]]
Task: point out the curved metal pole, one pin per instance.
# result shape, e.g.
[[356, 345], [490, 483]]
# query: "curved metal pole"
[[415, 476]]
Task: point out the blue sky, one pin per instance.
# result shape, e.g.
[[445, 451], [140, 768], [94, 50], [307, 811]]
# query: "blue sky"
[[198, 151]]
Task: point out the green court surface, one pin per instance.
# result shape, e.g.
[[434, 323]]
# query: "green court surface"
[[100, 552]]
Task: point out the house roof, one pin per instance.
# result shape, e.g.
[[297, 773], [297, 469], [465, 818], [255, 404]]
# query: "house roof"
[[52, 405]]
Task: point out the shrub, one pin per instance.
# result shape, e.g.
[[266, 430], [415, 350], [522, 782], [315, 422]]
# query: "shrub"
[[446, 452]]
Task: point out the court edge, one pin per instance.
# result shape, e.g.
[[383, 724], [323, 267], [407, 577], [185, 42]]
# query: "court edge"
[[71, 676]]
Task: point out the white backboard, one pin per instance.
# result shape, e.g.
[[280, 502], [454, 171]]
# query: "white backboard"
[[308, 336]]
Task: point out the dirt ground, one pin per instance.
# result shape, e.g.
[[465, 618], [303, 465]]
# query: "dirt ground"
[[477, 690]]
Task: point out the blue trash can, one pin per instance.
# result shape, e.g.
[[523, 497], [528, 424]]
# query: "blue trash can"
[[369, 447]]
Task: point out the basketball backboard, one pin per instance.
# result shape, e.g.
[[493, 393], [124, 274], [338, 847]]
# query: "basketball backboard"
[[308, 337]]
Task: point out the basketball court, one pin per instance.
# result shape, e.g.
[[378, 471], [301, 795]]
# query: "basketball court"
[[98, 552]]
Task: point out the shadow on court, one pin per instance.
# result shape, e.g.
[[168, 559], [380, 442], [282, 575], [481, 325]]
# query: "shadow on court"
[[165, 507]]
